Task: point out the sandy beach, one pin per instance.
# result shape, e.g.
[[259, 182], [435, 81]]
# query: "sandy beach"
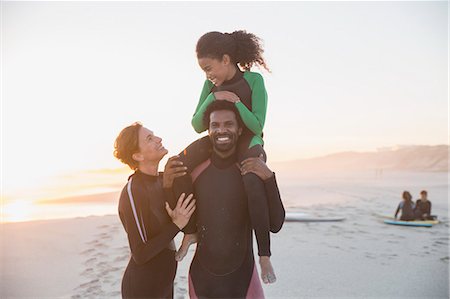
[[360, 257]]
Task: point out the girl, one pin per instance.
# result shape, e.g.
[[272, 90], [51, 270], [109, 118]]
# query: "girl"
[[222, 56], [406, 206]]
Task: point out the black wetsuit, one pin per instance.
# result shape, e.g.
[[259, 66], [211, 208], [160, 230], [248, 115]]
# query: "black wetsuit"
[[223, 265], [151, 270], [423, 208], [407, 211], [265, 215]]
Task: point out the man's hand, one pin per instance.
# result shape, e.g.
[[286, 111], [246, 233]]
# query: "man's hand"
[[183, 211], [173, 169], [226, 96], [257, 166]]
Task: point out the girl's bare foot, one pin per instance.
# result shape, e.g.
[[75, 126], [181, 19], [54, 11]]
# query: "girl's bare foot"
[[188, 240], [267, 273]]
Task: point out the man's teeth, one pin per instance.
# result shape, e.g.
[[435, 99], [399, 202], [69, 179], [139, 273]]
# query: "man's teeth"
[[223, 138]]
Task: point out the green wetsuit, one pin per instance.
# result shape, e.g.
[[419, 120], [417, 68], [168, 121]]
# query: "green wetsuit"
[[249, 87]]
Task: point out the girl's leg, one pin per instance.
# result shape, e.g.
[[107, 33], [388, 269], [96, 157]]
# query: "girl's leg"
[[251, 147], [258, 209], [192, 156], [196, 153], [257, 203], [188, 240]]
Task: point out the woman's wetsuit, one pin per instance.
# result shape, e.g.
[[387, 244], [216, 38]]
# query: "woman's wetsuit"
[[249, 87], [407, 211], [151, 270], [223, 265]]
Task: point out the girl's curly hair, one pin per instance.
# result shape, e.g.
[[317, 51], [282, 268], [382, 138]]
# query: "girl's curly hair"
[[243, 48]]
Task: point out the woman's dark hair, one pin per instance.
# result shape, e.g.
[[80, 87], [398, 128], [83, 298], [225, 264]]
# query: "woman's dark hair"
[[127, 144], [221, 105], [243, 48], [407, 196]]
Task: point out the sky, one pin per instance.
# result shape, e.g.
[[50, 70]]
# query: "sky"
[[344, 76]]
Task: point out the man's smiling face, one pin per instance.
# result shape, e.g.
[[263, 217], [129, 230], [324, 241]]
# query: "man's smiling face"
[[224, 132]]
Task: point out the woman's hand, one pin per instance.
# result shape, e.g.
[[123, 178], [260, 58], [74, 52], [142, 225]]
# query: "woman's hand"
[[226, 96], [173, 169], [183, 210], [257, 166]]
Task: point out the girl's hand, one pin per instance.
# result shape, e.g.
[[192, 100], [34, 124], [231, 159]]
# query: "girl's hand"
[[257, 166], [226, 96], [183, 211], [172, 170]]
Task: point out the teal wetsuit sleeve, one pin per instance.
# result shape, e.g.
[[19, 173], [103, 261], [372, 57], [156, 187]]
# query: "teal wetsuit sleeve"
[[206, 98], [254, 120]]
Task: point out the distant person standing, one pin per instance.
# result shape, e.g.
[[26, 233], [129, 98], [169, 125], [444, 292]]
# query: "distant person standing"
[[422, 210], [406, 206]]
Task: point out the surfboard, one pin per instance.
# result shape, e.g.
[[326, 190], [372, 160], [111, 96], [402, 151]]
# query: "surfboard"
[[303, 217], [387, 217], [408, 223]]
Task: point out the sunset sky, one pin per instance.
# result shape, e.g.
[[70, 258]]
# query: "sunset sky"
[[345, 76]]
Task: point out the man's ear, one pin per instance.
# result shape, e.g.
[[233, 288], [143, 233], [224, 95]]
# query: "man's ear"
[[226, 59], [137, 157], [240, 131]]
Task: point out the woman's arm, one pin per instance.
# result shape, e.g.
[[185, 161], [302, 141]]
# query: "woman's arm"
[[143, 247], [396, 212]]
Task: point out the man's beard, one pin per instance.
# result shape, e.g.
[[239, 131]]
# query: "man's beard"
[[224, 146]]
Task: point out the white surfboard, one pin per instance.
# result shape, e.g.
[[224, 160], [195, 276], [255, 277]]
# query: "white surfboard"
[[303, 217]]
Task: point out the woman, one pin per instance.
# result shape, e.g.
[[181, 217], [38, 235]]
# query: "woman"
[[406, 206], [149, 220]]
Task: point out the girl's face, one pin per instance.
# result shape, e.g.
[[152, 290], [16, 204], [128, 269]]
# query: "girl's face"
[[217, 71]]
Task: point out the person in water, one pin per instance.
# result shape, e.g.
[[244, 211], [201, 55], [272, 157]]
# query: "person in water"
[[149, 220], [223, 265], [221, 56], [406, 206], [422, 210]]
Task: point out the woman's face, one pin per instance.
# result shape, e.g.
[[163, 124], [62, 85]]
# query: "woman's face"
[[217, 71], [150, 145]]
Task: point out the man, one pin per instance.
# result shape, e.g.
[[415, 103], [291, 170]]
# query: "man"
[[422, 209], [223, 265]]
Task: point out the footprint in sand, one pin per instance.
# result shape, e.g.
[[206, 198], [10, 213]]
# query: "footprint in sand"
[[102, 271], [369, 255], [91, 283], [100, 245], [90, 261], [114, 294], [87, 272], [439, 243], [100, 255], [93, 242], [121, 258]]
